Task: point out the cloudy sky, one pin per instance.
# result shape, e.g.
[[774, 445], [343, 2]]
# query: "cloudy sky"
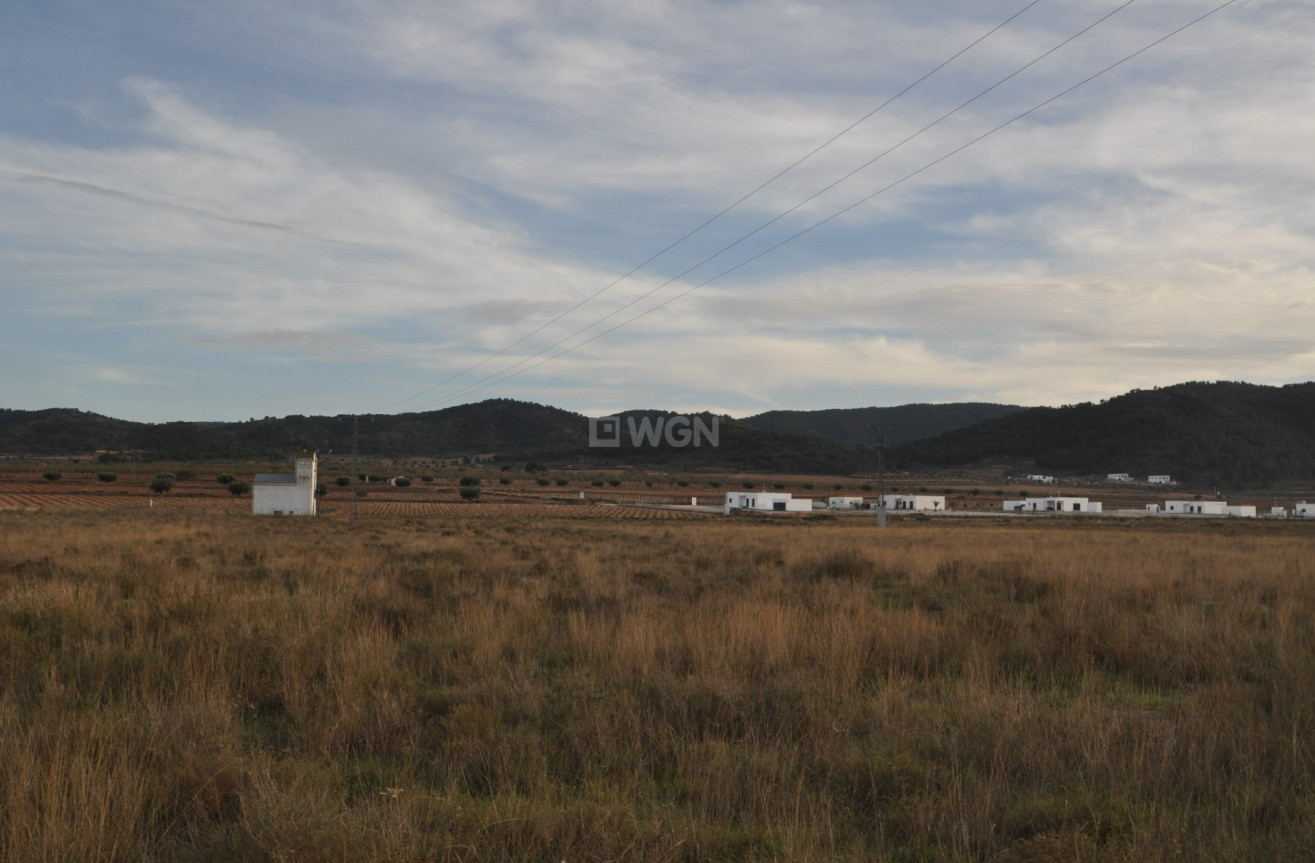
[[233, 208]]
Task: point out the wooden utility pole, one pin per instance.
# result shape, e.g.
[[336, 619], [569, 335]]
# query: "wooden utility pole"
[[881, 474]]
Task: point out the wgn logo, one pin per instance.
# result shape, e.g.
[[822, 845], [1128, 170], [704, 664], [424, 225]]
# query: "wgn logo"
[[677, 431]]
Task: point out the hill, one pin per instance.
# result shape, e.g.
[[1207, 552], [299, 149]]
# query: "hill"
[[853, 426], [514, 430], [1227, 433]]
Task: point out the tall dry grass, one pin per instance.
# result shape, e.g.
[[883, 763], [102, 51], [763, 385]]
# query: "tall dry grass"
[[206, 687]]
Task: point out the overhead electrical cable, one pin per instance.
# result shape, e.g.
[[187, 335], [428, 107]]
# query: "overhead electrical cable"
[[819, 148], [493, 380], [724, 249]]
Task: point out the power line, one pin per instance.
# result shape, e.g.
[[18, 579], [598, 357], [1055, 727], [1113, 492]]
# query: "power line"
[[819, 148], [645, 295], [494, 380]]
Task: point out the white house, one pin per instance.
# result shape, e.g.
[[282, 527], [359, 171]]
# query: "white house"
[[1278, 512], [1037, 477], [1053, 504], [1304, 510], [918, 502], [844, 503], [1154, 509], [287, 493], [1159, 479], [1240, 511], [1194, 507], [766, 501], [1118, 477]]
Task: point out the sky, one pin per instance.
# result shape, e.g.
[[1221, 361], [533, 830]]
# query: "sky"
[[230, 209]]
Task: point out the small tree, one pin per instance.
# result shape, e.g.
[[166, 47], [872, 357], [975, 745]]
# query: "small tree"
[[106, 476], [429, 477], [469, 492], [321, 489], [239, 487], [162, 482], [614, 482], [402, 481], [562, 481], [504, 480], [51, 475], [542, 480], [343, 481]]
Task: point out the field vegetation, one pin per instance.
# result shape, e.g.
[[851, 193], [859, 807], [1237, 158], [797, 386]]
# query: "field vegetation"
[[189, 686]]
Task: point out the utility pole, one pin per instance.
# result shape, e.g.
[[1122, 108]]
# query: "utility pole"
[[881, 474], [355, 474]]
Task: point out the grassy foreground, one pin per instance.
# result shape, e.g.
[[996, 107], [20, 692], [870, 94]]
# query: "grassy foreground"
[[216, 687]]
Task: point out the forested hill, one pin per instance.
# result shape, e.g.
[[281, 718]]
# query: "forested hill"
[[853, 426], [1231, 433], [512, 430]]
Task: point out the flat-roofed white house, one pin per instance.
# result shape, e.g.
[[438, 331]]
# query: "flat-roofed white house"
[[1246, 511], [1159, 479], [844, 503], [287, 493], [1040, 477], [1304, 510], [1053, 504], [1194, 507], [766, 501], [1118, 477], [917, 502], [1278, 512]]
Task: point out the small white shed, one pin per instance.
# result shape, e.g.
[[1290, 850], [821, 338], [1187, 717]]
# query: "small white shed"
[[287, 493]]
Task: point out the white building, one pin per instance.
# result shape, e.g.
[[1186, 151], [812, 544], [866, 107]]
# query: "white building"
[[1038, 477], [287, 493], [844, 503], [1053, 504], [1159, 479], [1304, 510], [1240, 511], [1194, 507], [766, 501], [1118, 477], [1154, 509], [1278, 512], [916, 502]]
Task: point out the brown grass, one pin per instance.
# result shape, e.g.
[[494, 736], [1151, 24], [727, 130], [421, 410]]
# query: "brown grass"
[[189, 686]]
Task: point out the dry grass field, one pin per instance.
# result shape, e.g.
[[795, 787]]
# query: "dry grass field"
[[195, 685]]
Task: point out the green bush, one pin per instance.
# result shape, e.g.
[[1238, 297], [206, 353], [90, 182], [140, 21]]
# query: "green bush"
[[162, 483], [614, 482], [429, 477], [504, 480], [402, 481], [225, 478], [469, 492], [470, 482], [106, 476], [239, 487], [51, 475], [542, 480], [562, 482], [343, 481]]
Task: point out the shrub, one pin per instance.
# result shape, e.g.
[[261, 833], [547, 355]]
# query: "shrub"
[[542, 480], [51, 475], [402, 481], [321, 489], [683, 483], [343, 481], [162, 483], [225, 478], [239, 487], [598, 483], [747, 484], [504, 480], [716, 483], [614, 482], [469, 492], [106, 476], [470, 482], [562, 481], [429, 477]]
